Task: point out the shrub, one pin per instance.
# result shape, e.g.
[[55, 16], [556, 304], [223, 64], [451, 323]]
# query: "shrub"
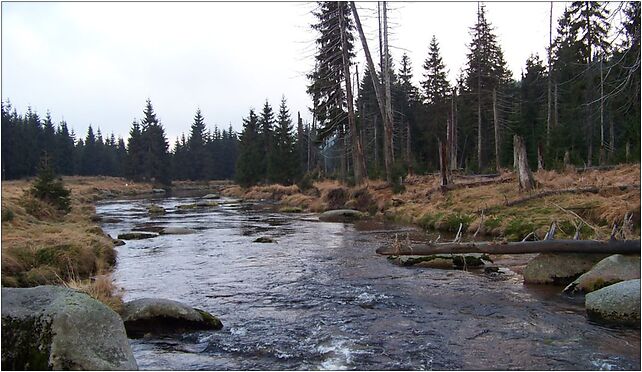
[[336, 197], [51, 190], [517, 229], [7, 215]]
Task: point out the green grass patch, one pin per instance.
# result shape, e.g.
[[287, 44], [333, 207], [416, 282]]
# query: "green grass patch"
[[428, 220], [518, 228]]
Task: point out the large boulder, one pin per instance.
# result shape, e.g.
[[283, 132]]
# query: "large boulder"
[[161, 316], [53, 328], [559, 268], [341, 215], [611, 270], [616, 304]]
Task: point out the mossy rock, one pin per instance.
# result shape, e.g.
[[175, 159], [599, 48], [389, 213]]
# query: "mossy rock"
[[56, 328], [559, 268], [136, 235], [443, 261], [611, 270], [616, 304], [289, 209], [264, 239], [156, 210], [161, 316]]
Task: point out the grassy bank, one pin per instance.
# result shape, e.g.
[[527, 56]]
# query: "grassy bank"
[[593, 200], [42, 246]]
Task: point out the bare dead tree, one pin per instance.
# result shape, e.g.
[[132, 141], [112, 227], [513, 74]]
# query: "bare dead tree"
[[387, 116], [524, 174], [358, 160]]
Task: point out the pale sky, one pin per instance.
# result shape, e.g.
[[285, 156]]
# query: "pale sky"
[[97, 63]]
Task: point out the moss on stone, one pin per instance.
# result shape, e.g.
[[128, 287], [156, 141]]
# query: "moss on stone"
[[210, 319]]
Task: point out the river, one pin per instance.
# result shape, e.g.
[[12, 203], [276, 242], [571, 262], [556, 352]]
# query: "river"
[[320, 298]]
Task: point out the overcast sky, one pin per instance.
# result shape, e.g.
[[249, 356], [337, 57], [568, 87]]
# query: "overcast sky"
[[97, 63]]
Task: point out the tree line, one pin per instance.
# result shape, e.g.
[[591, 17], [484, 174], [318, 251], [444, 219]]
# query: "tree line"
[[579, 106], [145, 156]]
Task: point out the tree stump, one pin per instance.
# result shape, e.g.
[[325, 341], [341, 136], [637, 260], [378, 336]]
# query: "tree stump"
[[524, 174]]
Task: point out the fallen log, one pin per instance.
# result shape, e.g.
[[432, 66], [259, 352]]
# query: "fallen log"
[[541, 246]]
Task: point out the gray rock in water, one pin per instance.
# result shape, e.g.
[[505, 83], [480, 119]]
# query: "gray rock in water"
[[136, 235], [559, 268], [341, 215], [161, 316], [616, 304], [156, 209], [611, 270], [158, 191], [51, 327], [443, 261], [211, 196], [118, 242], [264, 239], [177, 231]]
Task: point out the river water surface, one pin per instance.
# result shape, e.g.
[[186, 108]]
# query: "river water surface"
[[320, 298]]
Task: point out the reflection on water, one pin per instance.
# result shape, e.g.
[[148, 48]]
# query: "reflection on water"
[[320, 298]]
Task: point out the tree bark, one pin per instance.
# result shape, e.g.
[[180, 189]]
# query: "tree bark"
[[388, 127], [541, 246], [443, 164], [524, 175], [549, 111], [540, 157], [496, 125], [358, 161], [377, 86]]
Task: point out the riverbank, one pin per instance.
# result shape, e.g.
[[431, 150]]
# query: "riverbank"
[[40, 246], [591, 200]]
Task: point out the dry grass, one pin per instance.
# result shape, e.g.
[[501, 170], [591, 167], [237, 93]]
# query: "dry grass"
[[101, 288], [42, 246]]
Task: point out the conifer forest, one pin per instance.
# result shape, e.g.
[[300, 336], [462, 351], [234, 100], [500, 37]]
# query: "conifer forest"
[[577, 105]]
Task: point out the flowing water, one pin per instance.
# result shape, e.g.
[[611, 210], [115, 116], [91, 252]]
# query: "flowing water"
[[320, 298]]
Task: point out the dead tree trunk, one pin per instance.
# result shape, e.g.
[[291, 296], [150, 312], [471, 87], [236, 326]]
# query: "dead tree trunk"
[[496, 124], [453, 131], [443, 164], [388, 126], [524, 174], [549, 111], [540, 157], [567, 161], [387, 120], [540, 246], [358, 161]]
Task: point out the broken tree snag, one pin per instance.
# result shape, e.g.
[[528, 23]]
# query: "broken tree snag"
[[524, 174], [540, 157], [443, 164], [540, 246], [567, 161]]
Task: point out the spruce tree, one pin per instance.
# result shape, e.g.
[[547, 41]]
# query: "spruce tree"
[[196, 147], [282, 161], [266, 137], [248, 164], [486, 73], [435, 84], [156, 162]]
